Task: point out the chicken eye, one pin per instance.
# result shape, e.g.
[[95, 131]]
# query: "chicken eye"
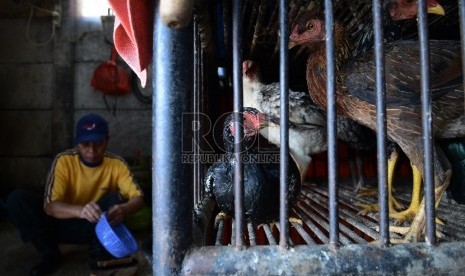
[[310, 26], [409, 1]]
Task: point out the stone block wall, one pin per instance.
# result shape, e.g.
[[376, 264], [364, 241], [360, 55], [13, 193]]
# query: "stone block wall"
[[46, 89]]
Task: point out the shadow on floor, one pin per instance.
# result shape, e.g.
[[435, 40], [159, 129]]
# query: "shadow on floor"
[[17, 258]]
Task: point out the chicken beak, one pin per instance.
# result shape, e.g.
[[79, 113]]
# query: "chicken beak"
[[264, 120], [292, 41], [291, 44], [435, 8]]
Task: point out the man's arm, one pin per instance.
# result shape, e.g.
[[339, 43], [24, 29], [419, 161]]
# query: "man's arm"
[[92, 212], [118, 212], [60, 210]]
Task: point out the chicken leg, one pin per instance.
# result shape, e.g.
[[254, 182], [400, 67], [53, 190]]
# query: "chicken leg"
[[412, 210], [392, 202], [441, 182], [414, 207], [416, 229]]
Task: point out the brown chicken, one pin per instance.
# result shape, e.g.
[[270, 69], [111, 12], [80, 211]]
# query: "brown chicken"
[[395, 14], [356, 94]]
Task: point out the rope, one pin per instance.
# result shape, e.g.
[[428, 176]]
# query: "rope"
[[31, 14]]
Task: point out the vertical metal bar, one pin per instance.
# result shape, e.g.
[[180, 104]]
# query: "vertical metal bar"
[[462, 35], [426, 123], [381, 123], [201, 111], [284, 122], [172, 192], [195, 102], [331, 98], [238, 118]]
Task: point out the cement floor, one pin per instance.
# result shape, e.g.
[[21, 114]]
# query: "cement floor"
[[17, 258]]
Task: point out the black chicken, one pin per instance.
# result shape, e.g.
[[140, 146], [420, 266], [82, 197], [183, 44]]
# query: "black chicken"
[[356, 93], [307, 129], [454, 149], [261, 174]]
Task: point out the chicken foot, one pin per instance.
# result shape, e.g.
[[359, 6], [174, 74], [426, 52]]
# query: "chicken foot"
[[412, 210], [273, 224], [219, 217], [393, 203], [417, 228]]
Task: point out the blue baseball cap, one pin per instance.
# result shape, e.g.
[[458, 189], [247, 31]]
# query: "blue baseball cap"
[[91, 128]]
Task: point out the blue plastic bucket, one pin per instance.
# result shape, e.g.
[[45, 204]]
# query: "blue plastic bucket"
[[117, 240]]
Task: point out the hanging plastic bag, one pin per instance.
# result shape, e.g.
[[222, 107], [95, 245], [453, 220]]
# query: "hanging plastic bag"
[[110, 78]]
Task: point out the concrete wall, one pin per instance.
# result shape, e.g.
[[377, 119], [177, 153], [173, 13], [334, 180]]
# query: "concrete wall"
[[46, 89]]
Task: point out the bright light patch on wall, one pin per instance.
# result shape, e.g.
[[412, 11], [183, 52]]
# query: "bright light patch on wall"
[[92, 8]]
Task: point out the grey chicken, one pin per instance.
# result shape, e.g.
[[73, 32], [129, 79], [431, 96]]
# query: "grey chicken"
[[307, 121]]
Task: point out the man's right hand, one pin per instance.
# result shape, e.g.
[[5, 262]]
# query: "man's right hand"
[[91, 212]]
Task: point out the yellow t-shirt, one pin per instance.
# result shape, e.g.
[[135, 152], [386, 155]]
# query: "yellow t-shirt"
[[72, 182]]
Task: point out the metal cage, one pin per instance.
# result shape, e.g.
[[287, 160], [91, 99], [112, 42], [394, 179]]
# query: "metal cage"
[[333, 238]]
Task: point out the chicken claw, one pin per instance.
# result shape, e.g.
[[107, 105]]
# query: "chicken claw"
[[221, 216]]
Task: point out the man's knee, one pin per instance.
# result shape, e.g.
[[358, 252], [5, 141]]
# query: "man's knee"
[[21, 200], [109, 200], [16, 199]]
